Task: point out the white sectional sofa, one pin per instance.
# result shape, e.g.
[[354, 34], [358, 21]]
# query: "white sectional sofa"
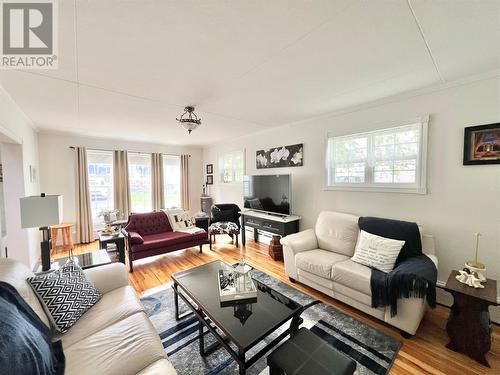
[[114, 337], [320, 258]]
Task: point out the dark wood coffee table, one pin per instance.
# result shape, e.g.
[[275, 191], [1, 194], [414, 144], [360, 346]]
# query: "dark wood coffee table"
[[244, 325], [469, 326]]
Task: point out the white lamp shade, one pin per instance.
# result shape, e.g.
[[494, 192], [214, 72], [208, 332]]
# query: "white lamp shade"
[[38, 211]]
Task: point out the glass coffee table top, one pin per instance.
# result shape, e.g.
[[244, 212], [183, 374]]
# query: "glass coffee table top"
[[245, 324], [85, 260]]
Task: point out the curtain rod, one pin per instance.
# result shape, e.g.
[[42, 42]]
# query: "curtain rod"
[[137, 152]]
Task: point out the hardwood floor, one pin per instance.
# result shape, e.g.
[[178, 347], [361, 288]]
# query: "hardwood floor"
[[425, 353]]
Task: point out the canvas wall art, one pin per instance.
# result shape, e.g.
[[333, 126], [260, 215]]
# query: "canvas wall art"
[[482, 144], [279, 157]]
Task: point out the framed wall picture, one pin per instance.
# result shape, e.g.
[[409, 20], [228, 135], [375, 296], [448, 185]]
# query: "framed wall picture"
[[482, 144], [210, 168], [210, 179], [279, 157]]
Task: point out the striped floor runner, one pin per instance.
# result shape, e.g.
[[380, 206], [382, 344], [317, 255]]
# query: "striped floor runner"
[[373, 350]]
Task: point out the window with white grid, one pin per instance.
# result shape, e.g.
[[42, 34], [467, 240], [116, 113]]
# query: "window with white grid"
[[231, 167], [385, 160]]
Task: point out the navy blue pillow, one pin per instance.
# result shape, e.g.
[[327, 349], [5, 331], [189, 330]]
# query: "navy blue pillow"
[[25, 344]]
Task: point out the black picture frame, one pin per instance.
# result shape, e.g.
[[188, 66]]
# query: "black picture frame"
[[210, 168], [482, 144], [210, 179]]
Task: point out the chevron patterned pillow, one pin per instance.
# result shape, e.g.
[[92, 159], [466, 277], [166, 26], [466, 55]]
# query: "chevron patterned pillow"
[[66, 294]]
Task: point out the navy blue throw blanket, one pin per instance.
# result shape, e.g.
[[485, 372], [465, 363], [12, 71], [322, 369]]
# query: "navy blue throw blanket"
[[414, 274], [25, 344]]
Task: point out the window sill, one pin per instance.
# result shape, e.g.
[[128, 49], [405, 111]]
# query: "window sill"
[[378, 189], [232, 183]]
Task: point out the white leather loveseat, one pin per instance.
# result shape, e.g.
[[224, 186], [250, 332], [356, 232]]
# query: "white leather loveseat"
[[320, 258], [114, 337]]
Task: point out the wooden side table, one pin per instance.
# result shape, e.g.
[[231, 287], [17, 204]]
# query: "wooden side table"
[[275, 248], [118, 240], [469, 326], [202, 222], [67, 240]]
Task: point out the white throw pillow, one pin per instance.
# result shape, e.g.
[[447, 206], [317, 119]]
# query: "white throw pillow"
[[376, 251], [180, 220]]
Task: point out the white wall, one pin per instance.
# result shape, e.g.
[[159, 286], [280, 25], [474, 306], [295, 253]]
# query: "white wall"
[[57, 169], [19, 151], [461, 200]]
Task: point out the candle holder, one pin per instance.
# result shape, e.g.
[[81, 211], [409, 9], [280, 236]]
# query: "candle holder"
[[474, 265]]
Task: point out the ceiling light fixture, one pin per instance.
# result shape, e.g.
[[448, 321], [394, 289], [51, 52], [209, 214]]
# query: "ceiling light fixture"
[[189, 120]]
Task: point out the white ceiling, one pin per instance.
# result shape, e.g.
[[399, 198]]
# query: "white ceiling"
[[246, 65]]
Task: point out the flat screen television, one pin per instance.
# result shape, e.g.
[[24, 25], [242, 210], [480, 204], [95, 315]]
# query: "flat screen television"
[[269, 193]]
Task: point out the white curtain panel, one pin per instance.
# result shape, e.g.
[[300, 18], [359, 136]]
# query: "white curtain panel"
[[158, 198], [84, 225], [121, 183], [185, 182]]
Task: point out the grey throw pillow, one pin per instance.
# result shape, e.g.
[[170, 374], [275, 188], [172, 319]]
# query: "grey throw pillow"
[[66, 295]]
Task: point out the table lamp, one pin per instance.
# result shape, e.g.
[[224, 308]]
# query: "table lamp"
[[42, 211]]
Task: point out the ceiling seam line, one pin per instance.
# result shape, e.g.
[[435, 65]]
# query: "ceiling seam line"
[[427, 46], [136, 97], [303, 36]]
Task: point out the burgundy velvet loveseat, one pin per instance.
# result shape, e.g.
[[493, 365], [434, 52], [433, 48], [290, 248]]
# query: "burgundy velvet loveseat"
[[150, 234]]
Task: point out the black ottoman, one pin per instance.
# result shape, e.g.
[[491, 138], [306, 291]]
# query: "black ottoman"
[[307, 354]]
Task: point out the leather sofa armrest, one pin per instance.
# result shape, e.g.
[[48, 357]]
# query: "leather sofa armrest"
[[428, 245], [433, 258], [301, 241], [108, 277]]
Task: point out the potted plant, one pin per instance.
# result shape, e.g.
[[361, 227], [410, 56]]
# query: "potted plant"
[[109, 215]]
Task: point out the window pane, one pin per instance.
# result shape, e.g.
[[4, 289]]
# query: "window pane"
[[383, 177], [100, 170], [384, 139], [388, 156], [404, 177], [405, 165], [383, 166], [384, 152], [406, 149], [231, 167], [406, 136], [238, 166], [172, 180], [350, 149], [139, 167]]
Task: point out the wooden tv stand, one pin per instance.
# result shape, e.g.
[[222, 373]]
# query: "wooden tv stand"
[[268, 222]]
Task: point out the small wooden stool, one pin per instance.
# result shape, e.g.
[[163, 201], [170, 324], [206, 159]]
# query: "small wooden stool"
[[67, 240]]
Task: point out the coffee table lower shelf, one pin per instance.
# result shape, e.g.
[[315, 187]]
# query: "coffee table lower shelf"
[[240, 355]]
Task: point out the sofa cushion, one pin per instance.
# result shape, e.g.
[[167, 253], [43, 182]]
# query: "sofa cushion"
[[166, 239], [125, 347], [318, 262], [15, 273], [66, 294], [337, 232], [148, 223], [354, 275], [162, 366], [113, 307]]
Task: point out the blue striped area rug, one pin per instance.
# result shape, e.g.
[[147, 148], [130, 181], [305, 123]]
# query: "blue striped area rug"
[[373, 350]]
